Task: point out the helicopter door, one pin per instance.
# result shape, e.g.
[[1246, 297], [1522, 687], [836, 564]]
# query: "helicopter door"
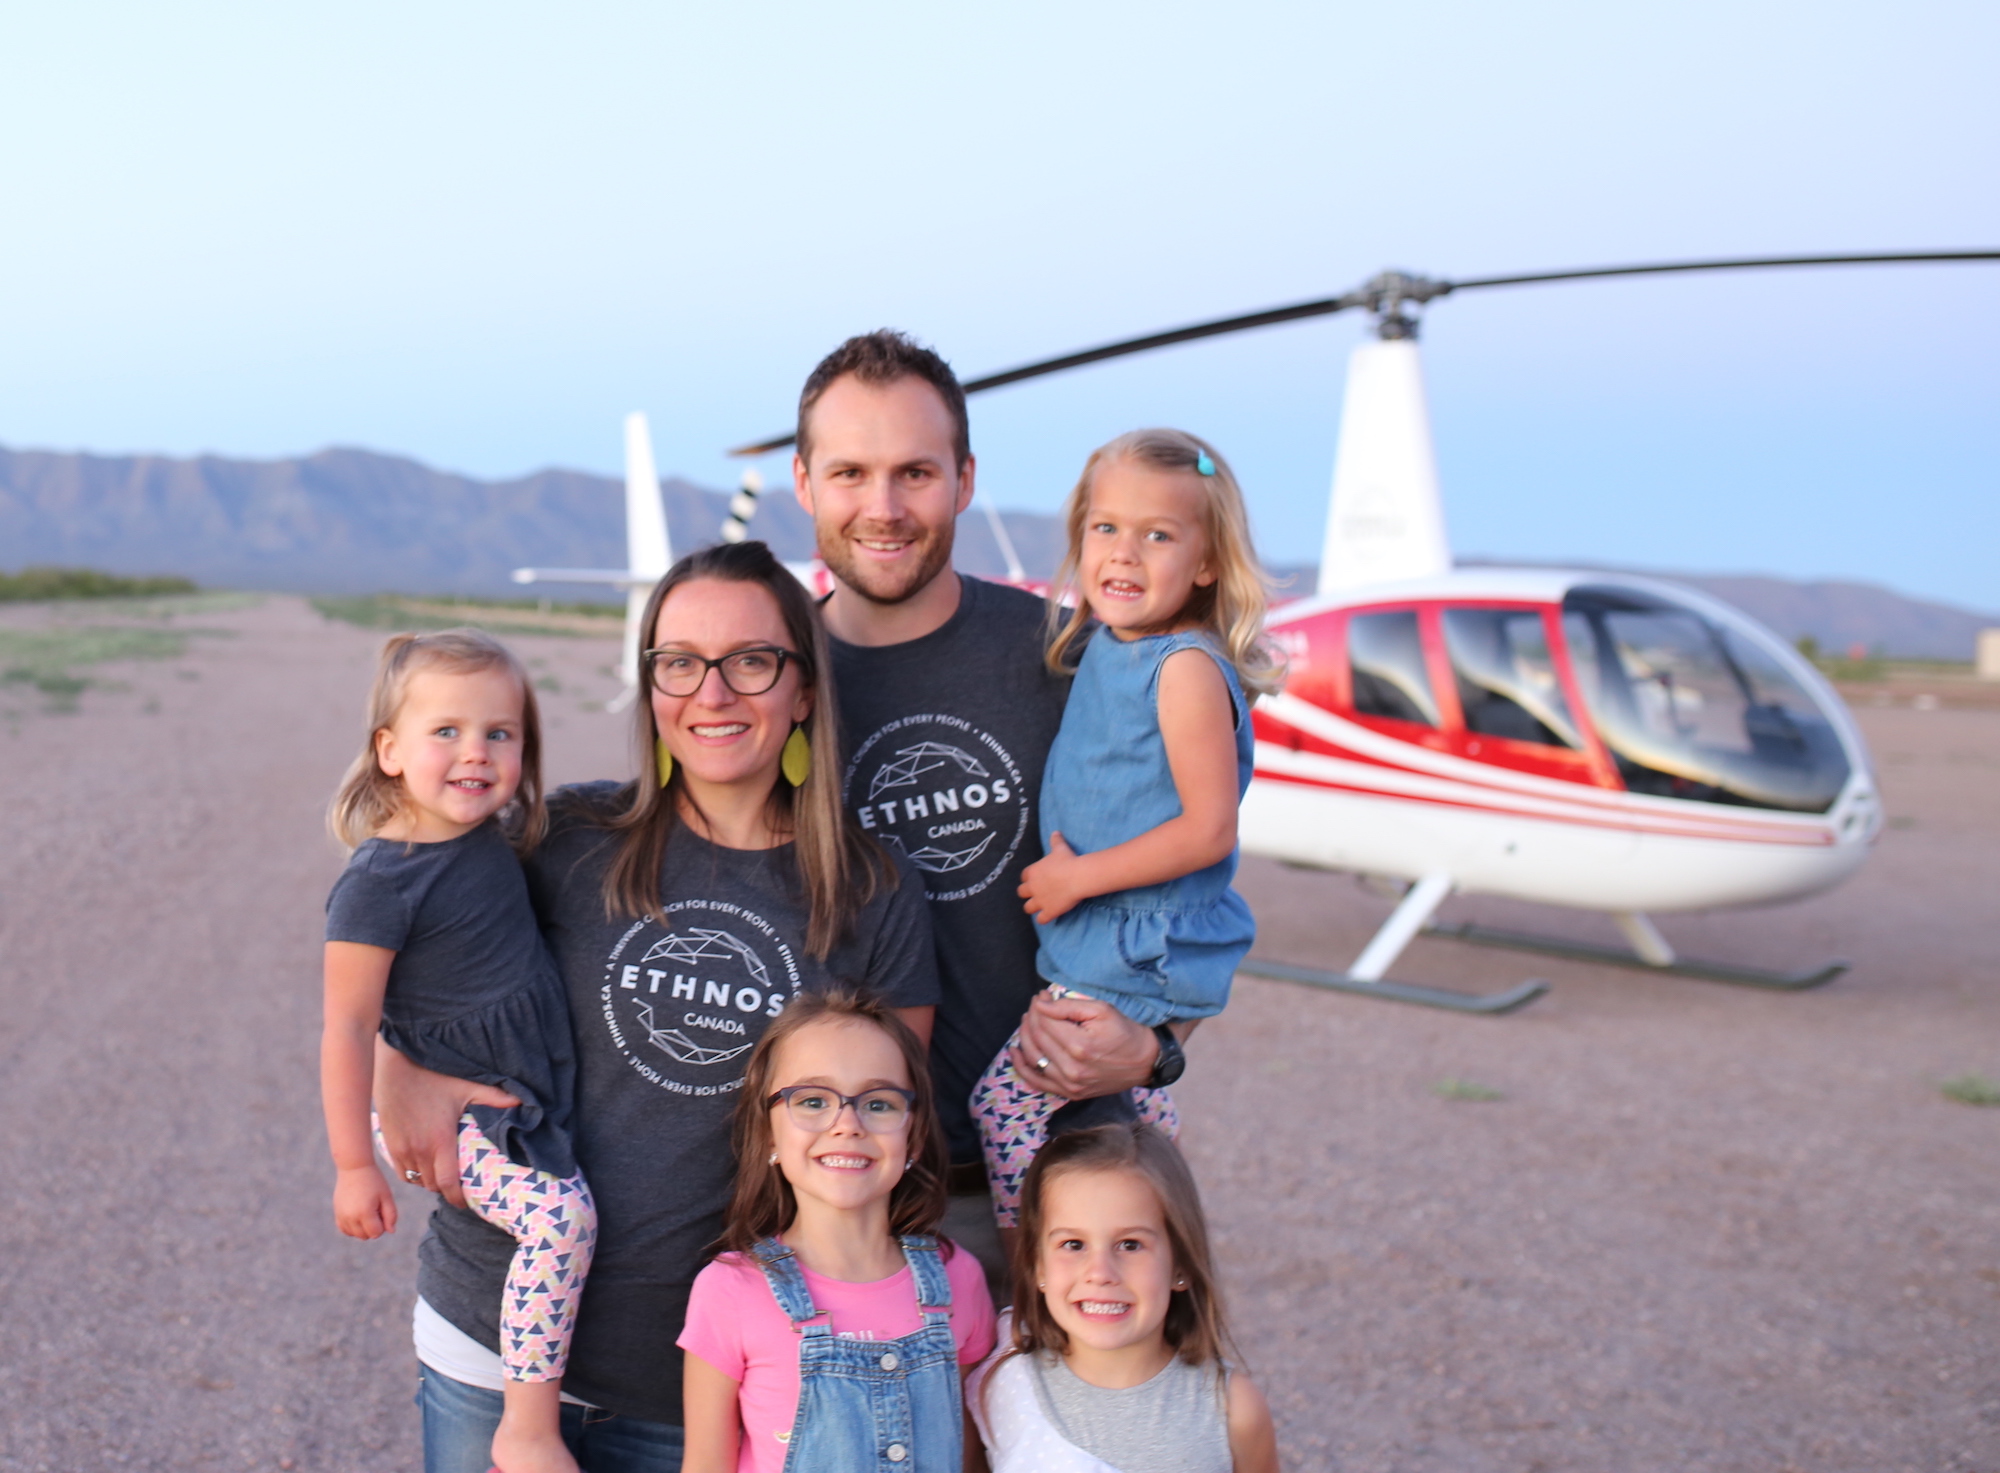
[[1512, 707], [1369, 667], [1389, 685]]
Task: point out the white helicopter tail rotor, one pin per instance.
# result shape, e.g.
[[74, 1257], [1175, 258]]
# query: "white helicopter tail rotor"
[[648, 550], [1385, 522]]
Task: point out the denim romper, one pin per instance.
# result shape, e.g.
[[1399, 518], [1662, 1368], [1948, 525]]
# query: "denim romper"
[[1161, 952], [873, 1406]]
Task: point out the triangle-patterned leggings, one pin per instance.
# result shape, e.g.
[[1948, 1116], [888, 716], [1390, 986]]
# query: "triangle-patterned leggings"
[[553, 1223]]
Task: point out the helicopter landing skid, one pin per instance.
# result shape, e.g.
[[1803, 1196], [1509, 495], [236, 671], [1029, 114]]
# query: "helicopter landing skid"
[[1364, 978], [1429, 997], [1612, 956]]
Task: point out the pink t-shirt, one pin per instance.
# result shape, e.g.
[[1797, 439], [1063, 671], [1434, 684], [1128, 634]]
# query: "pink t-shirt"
[[734, 1323]]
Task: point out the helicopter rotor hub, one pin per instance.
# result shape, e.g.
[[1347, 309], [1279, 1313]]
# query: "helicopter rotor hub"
[[1389, 294]]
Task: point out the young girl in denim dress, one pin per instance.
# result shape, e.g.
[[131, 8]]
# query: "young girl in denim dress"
[[1139, 797]]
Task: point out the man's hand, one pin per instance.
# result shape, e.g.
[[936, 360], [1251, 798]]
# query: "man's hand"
[[1092, 1048], [1056, 883], [418, 1111], [363, 1205]]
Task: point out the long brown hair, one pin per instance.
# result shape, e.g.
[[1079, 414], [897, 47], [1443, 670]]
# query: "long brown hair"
[[1195, 1324], [763, 1202], [1230, 610], [368, 797], [839, 865]]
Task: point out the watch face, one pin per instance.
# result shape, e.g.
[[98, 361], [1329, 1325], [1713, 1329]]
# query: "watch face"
[[1172, 1062]]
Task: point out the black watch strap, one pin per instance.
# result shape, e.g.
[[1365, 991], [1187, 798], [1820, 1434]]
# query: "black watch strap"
[[1172, 1062]]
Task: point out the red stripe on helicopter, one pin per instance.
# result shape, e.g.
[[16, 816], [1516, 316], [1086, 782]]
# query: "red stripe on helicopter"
[[1637, 822], [1624, 809]]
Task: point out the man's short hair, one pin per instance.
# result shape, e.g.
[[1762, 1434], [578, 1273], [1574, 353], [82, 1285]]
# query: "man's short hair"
[[881, 358]]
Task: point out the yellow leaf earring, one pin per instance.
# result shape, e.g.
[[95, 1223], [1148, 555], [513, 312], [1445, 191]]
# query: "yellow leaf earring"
[[797, 760], [665, 761]]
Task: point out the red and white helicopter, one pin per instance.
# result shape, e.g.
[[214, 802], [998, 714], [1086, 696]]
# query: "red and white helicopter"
[[1583, 739]]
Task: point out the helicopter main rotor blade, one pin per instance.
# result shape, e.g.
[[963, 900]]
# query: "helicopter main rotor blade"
[[1392, 288], [1222, 325], [1737, 263]]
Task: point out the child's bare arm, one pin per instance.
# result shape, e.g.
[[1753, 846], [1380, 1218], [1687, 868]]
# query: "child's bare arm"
[[1197, 722], [1253, 1440], [712, 1420], [356, 978]]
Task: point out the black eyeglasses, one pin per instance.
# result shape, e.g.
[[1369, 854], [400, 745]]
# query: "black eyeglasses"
[[814, 1107], [748, 672]]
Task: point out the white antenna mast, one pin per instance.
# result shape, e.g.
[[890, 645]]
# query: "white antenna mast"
[[1015, 572]]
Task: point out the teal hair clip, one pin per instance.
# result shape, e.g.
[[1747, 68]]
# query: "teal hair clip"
[[1203, 464]]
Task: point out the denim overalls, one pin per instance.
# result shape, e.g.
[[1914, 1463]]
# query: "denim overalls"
[[873, 1406]]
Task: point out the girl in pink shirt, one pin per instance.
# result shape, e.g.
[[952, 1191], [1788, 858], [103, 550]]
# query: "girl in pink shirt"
[[835, 1331]]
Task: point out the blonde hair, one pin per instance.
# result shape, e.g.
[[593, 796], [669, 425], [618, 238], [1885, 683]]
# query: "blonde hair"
[[1231, 609], [368, 797], [840, 867]]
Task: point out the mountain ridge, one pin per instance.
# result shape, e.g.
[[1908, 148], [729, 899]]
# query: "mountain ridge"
[[346, 520]]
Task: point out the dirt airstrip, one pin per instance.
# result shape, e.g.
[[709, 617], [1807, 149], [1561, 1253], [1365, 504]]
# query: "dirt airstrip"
[[1700, 1227]]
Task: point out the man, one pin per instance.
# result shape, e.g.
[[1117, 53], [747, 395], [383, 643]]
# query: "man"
[[948, 710]]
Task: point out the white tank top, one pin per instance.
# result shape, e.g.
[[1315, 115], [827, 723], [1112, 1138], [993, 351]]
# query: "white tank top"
[[1040, 1418]]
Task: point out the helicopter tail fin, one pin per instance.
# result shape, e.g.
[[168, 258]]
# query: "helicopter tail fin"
[[1385, 521], [648, 552]]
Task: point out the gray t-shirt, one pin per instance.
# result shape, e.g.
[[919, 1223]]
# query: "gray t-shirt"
[[472, 992], [946, 736], [665, 1018], [1178, 1422]]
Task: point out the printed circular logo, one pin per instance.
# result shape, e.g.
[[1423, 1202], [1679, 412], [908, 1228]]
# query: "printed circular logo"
[[685, 1001], [947, 794]]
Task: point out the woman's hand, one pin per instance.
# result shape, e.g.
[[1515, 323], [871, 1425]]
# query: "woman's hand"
[[363, 1205], [1056, 883], [418, 1112]]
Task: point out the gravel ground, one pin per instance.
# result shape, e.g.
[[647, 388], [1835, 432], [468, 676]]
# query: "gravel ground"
[[1702, 1227]]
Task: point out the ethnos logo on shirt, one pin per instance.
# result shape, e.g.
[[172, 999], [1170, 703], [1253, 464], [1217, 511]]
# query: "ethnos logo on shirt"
[[947, 794], [682, 998]]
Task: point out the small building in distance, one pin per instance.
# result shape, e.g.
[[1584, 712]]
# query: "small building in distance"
[[1987, 660]]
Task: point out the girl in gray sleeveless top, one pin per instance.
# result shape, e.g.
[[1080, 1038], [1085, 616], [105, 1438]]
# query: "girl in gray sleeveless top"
[[1113, 1361]]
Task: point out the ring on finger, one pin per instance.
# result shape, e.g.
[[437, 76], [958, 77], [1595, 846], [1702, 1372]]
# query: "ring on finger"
[[1042, 1064], [413, 1176]]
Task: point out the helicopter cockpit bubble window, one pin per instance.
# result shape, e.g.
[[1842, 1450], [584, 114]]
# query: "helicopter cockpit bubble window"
[[1692, 710], [1507, 683], [1385, 653]]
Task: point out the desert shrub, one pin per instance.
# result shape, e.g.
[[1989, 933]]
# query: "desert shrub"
[[39, 584]]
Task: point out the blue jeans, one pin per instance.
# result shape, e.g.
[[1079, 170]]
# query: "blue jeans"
[[460, 1420]]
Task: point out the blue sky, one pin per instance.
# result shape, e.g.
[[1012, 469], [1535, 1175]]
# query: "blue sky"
[[479, 235]]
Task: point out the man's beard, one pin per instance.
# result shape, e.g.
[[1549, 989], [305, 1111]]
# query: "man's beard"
[[887, 585]]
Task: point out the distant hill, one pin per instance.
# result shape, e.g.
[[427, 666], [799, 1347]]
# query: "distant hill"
[[353, 521]]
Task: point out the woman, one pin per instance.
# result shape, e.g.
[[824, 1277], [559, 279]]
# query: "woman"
[[684, 909]]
